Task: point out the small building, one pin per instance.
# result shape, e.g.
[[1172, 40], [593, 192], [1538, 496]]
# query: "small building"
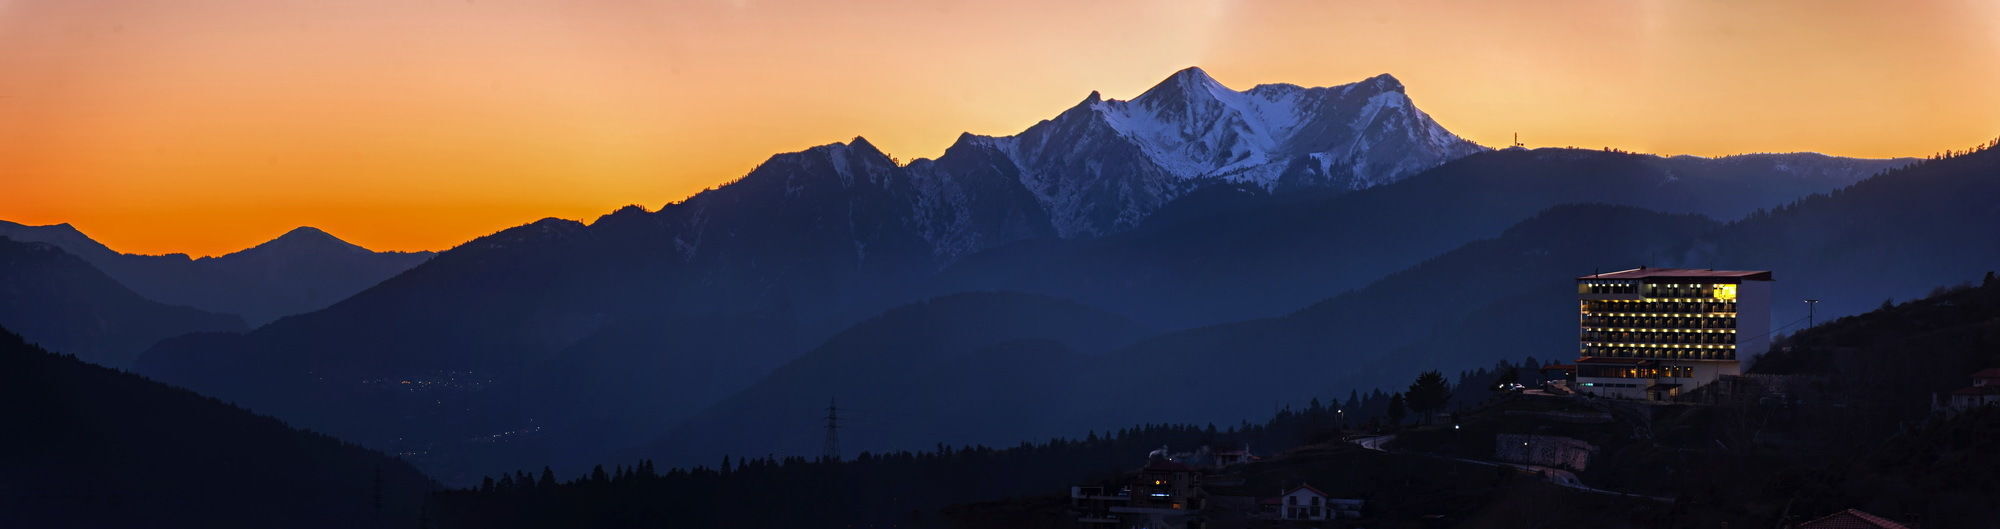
[[1984, 391], [1226, 458], [1092, 505], [1558, 372], [1305, 502], [1165, 494], [1208, 457], [1166, 484]]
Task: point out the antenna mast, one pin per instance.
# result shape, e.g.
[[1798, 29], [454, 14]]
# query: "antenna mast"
[[832, 450]]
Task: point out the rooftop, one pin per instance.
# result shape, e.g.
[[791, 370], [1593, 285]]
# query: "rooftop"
[[1977, 390], [1852, 519], [1315, 490], [1683, 273]]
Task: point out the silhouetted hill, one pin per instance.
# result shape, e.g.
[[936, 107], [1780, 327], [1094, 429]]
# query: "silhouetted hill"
[[1360, 339], [88, 446], [632, 381], [1840, 416], [1234, 253], [303, 270], [1892, 361], [63, 303], [1897, 235], [960, 369]]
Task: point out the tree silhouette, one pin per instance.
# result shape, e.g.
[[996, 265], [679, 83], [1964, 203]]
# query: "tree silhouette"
[[1428, 394]]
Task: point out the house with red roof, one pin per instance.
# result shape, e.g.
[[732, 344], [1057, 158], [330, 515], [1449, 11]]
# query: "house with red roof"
[[1984, 391]]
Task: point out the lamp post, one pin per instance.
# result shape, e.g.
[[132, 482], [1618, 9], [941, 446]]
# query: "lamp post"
[[1810, 305]]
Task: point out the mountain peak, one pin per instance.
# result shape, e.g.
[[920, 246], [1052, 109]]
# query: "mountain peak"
[[1188, 83], [969, 140], [306, 239], [307, 232], [1192, 74], [1383, 83], [842, 150], [862, 146]]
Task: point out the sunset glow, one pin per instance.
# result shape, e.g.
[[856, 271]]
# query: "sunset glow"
[[207, 126]]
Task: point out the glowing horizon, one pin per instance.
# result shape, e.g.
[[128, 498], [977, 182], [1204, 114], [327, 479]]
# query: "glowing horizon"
[[209, 126]]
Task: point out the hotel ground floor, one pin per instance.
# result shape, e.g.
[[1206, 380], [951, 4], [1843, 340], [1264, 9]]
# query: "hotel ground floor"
[[1648, 378]]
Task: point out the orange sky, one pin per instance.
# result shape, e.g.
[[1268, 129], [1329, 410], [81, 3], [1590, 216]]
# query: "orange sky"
[[205, 126]]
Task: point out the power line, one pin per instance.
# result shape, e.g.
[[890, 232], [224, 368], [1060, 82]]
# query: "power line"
[[832, 450]]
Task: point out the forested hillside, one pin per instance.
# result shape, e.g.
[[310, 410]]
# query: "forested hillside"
[[88, 447]]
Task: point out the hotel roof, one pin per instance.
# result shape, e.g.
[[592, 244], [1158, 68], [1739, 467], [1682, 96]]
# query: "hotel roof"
[[1684, 273], [1852, 519]]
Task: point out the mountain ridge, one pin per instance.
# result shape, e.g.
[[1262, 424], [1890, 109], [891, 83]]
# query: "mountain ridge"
[[811, 243], [59, 300], [301, 270]]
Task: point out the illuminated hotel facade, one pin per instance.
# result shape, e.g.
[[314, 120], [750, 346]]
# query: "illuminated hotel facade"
[[1652, 333]]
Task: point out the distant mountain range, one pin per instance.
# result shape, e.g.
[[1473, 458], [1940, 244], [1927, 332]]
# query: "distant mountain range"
[[301, 271], [1229, 253], [1191, 205], [1896, 235], [89, 446], [61, 302]]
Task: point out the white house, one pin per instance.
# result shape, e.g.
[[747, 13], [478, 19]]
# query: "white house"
[[1984, 391], [1307, 503]]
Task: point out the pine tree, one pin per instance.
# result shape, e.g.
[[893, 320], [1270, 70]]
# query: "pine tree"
[[1396, 409], [1428, 394]]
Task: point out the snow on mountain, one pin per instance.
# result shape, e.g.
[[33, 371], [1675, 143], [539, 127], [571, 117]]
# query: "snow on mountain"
[[1100, 167], [1105, 164]]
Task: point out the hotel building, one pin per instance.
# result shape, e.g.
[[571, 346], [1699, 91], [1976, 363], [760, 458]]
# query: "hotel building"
[[1652, 333]]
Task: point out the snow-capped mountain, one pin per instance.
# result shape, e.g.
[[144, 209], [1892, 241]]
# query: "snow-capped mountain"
[[1105, 164], [649, 316]]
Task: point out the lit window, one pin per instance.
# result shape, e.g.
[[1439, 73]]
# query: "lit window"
[[1725, 291]]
